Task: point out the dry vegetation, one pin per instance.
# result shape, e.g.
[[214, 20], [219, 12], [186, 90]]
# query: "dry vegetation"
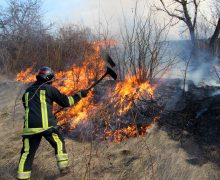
[[155, 156]]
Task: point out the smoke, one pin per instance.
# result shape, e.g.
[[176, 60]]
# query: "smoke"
[[203, 72], [201, 69]]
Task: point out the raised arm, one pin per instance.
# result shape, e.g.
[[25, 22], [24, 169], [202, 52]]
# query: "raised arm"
[[66, 101]]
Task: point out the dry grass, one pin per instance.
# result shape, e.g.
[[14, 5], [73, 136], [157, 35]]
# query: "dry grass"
[[129, 160]]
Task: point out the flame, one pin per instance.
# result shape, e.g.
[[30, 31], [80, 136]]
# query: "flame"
[[26, 76], [80, 77], [130, 90], [131, 131], [70, 82]]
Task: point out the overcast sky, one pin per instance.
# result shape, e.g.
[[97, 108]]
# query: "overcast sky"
[[88, 12]]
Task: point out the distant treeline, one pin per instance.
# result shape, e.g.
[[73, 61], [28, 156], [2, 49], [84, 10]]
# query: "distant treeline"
[[25, 40], [66, 48]]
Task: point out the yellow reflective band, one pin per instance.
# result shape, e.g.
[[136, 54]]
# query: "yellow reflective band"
[[59, 144], [24, 175], [29, 131], [71, 100], [24, 156], [62, 157], [26, 172], [26, 110], [64, 154], [44, 113]]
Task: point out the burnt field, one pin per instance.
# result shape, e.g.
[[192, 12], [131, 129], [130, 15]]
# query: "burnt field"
[[194, 116]]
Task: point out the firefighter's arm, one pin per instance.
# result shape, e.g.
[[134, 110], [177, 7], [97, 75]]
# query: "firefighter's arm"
[[76, 97], [66, 101]]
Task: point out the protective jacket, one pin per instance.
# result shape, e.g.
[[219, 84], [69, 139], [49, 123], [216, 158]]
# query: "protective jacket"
[[38, 103]]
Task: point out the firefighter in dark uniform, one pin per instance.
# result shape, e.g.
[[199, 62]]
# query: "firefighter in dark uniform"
[[40, 121]]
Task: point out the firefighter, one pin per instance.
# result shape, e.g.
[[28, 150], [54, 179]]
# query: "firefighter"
[[40, 121]]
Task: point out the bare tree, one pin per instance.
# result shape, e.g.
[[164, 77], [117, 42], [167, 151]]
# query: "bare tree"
[[20, 26], [22, 18], [213, 43], [180, 10], [145, 47], [25, 39], [187, 12]]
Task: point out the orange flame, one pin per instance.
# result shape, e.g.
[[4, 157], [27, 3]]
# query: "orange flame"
[[129, 90], [131, 131], [26, 76], [70, 82], [80, 77]]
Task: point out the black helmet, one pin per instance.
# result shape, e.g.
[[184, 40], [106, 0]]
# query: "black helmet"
[[45, 74]]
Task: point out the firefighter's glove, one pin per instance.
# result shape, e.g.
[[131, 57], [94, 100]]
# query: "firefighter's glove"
[[84, 93]]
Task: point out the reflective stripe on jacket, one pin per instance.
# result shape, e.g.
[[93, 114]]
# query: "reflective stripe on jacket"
[[38, 103]]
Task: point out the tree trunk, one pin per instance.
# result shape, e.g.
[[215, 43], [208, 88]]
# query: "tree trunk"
[[193, 41], [213, 46]]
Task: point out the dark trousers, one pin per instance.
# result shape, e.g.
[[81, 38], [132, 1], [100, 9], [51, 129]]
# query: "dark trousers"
[[30, 146]]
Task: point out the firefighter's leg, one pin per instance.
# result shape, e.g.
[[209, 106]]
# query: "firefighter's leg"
[[30, 145], [57, 142]]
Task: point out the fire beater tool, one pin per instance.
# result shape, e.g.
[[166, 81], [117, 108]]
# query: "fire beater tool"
[[109, 72], [108, 59]]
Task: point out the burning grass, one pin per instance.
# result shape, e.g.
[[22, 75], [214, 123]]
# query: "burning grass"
[[124, 99], [131, 131], [129, 90]]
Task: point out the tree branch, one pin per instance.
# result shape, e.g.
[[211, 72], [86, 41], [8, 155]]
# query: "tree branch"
[[168, 12]]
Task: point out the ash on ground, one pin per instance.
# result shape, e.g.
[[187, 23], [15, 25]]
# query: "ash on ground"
[[193, 115]]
